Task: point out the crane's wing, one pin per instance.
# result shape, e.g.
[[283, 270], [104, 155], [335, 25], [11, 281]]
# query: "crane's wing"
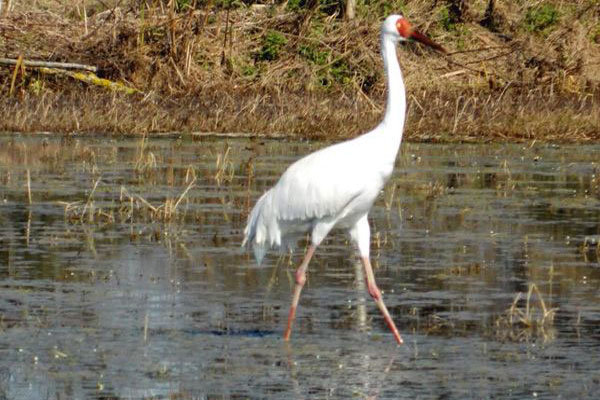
[[323, 183]]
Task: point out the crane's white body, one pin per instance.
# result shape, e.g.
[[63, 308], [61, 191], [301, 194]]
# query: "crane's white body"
[[337, 185]]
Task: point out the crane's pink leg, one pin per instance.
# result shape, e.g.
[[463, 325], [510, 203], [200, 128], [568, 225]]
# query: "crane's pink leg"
[[376, 295], [300, 280]]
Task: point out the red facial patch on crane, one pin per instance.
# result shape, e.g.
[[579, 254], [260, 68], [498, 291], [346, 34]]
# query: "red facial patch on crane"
[[404, 28]]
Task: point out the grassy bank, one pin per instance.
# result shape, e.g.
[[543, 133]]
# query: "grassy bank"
[[517, 70]]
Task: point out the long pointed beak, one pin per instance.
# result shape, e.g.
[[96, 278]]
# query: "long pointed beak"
[[419, 37]]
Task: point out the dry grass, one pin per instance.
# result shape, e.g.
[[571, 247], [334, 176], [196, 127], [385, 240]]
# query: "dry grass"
[[133, 207], [533, 319], [206, 70]]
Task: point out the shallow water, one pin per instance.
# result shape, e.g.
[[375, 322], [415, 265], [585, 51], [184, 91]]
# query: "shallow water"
[[116, 282]]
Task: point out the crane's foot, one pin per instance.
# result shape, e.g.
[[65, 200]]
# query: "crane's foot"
[[389, 321], [376, 295]]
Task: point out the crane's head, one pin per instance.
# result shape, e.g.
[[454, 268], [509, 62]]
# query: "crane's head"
[[399, 29]]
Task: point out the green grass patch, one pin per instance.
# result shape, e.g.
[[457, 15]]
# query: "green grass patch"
[[541, 18], [272, 45], [314, 55], [446, 19]]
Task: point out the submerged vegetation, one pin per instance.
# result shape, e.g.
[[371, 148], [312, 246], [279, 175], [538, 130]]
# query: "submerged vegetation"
[[516, 70]]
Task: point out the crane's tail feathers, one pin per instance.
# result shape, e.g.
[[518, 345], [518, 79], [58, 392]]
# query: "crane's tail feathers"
[[258, 233], [259, 253]]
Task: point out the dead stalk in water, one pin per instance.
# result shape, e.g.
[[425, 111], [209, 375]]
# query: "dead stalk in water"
[[29, 187], [520, 323], [528, 316], [190, 173], [146, 328], [28, 229], [390, 193], [145, 160], [89, 203], [224, 166], [164, 212], [187, 189]]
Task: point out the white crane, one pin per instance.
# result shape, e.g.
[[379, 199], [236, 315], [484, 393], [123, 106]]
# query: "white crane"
[[336, 186]]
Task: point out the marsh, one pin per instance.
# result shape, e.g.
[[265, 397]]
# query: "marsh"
[[123, 277]]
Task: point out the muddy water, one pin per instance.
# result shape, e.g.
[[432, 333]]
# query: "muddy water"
[[124, 278]]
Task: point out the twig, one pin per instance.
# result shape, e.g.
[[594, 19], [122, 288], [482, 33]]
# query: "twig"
[[179, 75], [85, 19], [453, 73], [18, 66], [47, 64]]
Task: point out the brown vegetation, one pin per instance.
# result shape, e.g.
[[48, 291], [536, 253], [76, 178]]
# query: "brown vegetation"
[[516, 70]]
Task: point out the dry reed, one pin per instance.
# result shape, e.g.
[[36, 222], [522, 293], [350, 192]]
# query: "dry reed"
[[197, 72]]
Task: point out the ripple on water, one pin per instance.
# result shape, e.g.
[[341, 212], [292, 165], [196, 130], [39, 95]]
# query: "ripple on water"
[[103, 293]]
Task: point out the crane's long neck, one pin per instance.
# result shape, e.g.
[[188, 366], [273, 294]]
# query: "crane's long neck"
[[395, 109]]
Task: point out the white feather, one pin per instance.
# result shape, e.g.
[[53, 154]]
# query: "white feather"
[[337, 185]]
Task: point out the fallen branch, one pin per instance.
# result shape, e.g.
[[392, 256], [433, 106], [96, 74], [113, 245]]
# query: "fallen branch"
[[48, 64], [91, 78]]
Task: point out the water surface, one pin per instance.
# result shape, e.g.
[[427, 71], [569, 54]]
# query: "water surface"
[[124, 277]]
